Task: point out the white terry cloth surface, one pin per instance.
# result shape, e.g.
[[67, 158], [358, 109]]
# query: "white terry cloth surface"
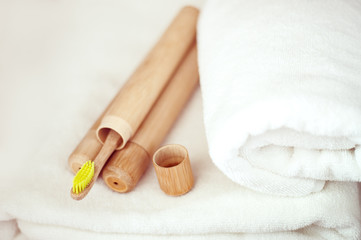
[[281, 85], [61, 63]]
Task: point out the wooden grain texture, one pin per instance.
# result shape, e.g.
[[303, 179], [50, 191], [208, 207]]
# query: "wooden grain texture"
[[139, 93], [173, 169], [124, 169]]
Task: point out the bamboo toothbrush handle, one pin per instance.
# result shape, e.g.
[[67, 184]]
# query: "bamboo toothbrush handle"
[[111, 142]]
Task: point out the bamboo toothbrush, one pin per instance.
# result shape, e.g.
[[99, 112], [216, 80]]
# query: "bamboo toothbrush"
[[88, 174]]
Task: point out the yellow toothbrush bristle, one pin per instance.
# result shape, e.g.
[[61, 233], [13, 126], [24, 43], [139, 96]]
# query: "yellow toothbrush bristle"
[[83, 177]]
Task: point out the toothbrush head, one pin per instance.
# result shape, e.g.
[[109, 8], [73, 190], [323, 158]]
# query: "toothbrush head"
[[83, 177]]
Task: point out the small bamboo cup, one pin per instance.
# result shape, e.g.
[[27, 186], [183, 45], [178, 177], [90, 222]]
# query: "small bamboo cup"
[[126, 166], [173, 169], [133, 102]]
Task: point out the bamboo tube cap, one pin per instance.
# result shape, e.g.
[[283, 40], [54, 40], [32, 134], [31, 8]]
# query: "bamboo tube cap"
[[173, 169]]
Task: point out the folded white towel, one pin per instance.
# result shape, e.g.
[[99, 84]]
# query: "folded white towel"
[[281, 84]]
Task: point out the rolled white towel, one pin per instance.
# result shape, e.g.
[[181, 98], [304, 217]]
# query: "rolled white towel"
[[281, 85]]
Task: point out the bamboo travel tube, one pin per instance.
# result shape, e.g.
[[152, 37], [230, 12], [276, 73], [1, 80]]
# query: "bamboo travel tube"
[[137, 96], [125, 167], [130, 106]]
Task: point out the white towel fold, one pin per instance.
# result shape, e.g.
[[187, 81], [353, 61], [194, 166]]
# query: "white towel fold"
[[281, 85]]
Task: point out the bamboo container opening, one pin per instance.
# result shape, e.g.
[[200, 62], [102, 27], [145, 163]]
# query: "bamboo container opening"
[[124, 128], [170, 156], [102, 133]]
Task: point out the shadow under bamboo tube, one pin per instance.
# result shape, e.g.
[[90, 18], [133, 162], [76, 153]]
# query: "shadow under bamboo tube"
[[137, 96], [173, 169], [125, 167], [171, 47]]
